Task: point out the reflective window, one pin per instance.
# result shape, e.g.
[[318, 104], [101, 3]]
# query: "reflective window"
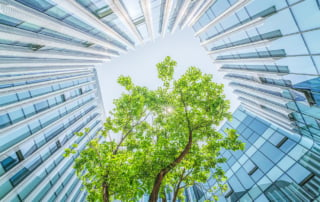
[[8, 99], [261, 161], [298, 173], [10, 161], [29, 110], [271, 151], [16, 116], [41, 106], [244, 178], [24, 95], [28, 148], [35, 126], [13, 137], [38, 5], [40, 91], [6, 20], [4, 120], [307, 21]]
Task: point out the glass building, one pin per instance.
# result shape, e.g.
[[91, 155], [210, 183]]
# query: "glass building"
[[40, 110], [276, 165], [269, 50]]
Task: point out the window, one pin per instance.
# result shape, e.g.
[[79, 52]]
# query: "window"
[[16, 116], [38, 5], [29, 111], [40, 91], [10, 161], [8, 99], [41, 106], [298, 173], [271, 151], [28, 148], [24, 95], [6, 20], [4, 120], [261, 161], [34, 126], [52, 102]]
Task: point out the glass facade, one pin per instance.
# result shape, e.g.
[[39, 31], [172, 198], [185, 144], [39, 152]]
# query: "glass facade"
[[276, 165], [273, 68], [40, 113], [269, 50]]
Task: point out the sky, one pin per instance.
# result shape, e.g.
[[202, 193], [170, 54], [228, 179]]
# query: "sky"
[[140, 63]]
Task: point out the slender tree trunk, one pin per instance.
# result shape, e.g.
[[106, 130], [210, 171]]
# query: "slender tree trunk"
[[157, 182], [156, 186], [175, 195], [176, 191], [106, 195]]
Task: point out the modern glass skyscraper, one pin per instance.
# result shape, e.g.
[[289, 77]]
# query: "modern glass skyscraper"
[[40, 110], [275, 166], [269, 51]]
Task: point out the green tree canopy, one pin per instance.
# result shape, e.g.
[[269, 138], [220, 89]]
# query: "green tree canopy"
[[166, 138]]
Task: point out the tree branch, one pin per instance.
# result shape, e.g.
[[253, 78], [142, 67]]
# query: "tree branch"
[[128, 132]]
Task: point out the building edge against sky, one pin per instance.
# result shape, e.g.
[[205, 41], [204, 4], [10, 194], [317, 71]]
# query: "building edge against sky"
[[268, 49]]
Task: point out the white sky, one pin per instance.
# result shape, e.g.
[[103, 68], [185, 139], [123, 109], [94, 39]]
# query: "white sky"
[[140, 63]]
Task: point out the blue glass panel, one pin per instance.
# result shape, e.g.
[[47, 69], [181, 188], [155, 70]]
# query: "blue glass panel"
[[40, 91], [30, 27], [28, 148], [16, 116], [258, 126], [271, 151], [29, 110], [6, 20], [5, 188], [244, 178], [54, 132], [18, 177], [24, 95], [52, 102], [38, 5], [57, 13], [261, 161], [5, 85], [298, 173], [8, 99], [276, 138], [13, 137], [10, 161], [4, 120], [34, 126], [41, 106], [287, 145], [257, 175]]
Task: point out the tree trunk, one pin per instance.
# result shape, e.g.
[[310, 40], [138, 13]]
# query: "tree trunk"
[[175, 195], [176, 191], [106, 196], [156, 186], [157, 182]]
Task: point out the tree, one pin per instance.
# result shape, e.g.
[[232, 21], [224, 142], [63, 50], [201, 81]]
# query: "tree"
[[106, 170], [168, 139]]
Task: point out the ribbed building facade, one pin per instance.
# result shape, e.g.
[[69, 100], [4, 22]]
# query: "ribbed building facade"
[[40, 112], [268, 49]]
